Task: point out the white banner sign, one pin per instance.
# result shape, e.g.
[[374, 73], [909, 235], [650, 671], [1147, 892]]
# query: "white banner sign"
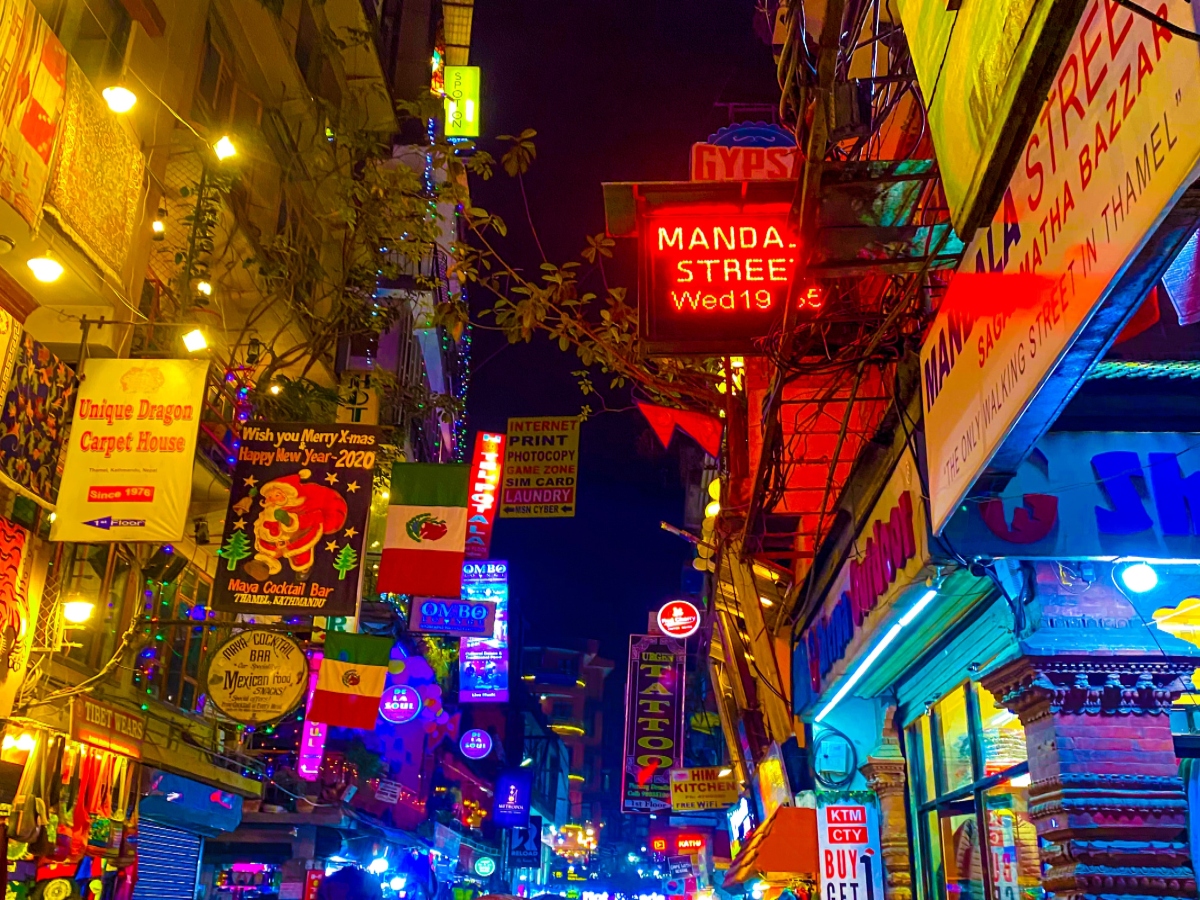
[[128, 474], [1112, 150], [848, 842]]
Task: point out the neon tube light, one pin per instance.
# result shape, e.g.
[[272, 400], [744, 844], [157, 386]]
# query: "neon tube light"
[[874, 655]]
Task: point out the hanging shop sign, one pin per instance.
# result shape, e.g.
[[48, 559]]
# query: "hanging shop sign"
[[751, 151], [484, 866], [453, 618], [892, 547], [715, 278], [475, 744], [1091, 495], [108, 727], [771, 784], [1109, 156], [848, 843], [128, 471], [525, 847], [388, 792], [257, 677], [514, 791], [487, 465], [400, 704], [483, 662], [985, 69], [297, 520], [679, 619], [462, 101], [703, 788], [541, 468], [654, 718]]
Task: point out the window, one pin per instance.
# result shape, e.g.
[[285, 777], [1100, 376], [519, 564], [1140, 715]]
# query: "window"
[[98, 574], [95, 33], [222, 100], [169, 666], [970, 775]]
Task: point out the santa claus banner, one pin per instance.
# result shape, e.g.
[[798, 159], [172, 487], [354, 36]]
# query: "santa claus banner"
[[297, 519]]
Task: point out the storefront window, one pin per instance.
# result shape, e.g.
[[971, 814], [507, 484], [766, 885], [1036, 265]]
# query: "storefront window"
[[970, 778], [953, 730]]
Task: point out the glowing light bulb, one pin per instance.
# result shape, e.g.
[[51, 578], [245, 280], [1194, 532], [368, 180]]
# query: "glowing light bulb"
[[195, 341], [1140, 577], [119, 99], [78, 611], [45, 269], [224, 148]]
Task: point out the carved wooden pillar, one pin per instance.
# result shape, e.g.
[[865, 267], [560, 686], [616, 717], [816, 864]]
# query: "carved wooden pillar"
[[1105, 793], [886, 776]]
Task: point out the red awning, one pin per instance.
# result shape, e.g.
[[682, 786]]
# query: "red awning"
[[782, 848]]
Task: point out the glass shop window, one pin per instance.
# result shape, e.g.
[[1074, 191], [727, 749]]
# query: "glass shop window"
[[970, 776], [90, 573]]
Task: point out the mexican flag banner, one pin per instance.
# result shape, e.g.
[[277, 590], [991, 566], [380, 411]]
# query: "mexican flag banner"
[[351, 680], [426, 531]]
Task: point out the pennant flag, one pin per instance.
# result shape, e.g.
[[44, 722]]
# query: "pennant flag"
[[426, 531], [704, 430], [351, 680]]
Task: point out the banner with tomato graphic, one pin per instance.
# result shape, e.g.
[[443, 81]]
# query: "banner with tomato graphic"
[[297, 519]]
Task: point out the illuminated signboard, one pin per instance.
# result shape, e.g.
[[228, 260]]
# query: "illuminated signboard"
[[400, 704], [716, 277], [462, 101], [483, 661], [487, 464], [679, 619], [312, 737], [654, 719], [475, 744]]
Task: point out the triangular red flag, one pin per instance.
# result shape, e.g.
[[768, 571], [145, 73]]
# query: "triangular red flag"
[[705, 430]]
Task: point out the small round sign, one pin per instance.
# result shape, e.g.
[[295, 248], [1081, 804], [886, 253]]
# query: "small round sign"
[[257, 677], [679, 619], [400, 704], [475, 744], [485, 866]]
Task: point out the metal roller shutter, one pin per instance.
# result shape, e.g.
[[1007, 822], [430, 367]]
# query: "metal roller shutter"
[[168, 863]]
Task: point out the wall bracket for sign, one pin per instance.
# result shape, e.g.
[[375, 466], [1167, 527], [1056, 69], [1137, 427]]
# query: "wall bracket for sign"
[[716, 259]]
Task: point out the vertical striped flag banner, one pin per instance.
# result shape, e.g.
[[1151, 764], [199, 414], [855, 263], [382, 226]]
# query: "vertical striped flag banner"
[[350, 683], [426, 530]]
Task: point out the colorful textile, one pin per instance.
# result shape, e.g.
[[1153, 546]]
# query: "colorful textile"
[[426, 533], [96, 185], [704, 430], [33, 423], [351, 680], [33, 79]]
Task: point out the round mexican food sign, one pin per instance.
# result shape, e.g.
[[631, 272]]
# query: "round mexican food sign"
[[679, 619], [257, 677]]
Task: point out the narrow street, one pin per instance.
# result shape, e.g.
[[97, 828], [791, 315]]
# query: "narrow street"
[[644, 450]]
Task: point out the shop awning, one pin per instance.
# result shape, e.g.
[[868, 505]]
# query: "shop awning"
[[782, 848]]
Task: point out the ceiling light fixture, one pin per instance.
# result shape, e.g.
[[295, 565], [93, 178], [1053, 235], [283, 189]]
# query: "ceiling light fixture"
[[119, 98], [46, 269], [874, 655]]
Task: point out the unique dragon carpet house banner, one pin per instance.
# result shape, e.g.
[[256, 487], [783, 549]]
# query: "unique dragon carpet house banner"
[[297, 519]]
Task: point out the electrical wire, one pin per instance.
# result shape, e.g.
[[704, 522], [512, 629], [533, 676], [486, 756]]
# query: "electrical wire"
[[1159, 20]]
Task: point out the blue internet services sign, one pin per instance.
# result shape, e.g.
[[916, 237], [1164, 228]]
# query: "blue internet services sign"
[[462, 618]]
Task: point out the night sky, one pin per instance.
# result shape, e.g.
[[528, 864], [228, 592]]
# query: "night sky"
[[618, 90]]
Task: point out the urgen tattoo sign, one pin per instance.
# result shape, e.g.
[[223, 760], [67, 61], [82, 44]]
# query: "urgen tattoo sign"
[[297, 520]]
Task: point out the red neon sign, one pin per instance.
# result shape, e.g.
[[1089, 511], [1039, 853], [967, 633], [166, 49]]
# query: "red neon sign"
[[487, 464], [716, 280]]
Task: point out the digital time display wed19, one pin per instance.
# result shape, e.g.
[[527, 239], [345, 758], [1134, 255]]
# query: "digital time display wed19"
[[716, 282]]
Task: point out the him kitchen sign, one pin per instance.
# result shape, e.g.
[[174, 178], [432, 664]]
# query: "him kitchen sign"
[[1092, 495], [454, 618]]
